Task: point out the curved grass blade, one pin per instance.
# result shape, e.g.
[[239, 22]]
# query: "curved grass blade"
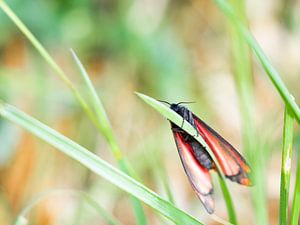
[[175, 118], [241, 62], [296, 201], [47, 58], [21, 218], [274, 76], [161, 172], [99, 118], [97, 165], [286, 161], [103, 125]]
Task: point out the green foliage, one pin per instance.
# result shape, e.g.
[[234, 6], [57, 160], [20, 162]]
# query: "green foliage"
[[166, 60], [274, 76], [296, 200], [286, 162], [241, 62], [97, 165], [98, 116], [103, 124]]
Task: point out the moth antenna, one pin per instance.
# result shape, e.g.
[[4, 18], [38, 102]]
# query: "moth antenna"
[[185, 102], [164, 102]]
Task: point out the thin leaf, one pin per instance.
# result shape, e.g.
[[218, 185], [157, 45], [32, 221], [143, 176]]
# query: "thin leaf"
[[47, 58], [103, 125], [187, 127], [244, 82], [286, 161], [97, 165], [296, 201], [274, 76], [228, 201]]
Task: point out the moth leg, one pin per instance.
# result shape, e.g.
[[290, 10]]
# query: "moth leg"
[[187, 115], [182, 123], [191, 121]]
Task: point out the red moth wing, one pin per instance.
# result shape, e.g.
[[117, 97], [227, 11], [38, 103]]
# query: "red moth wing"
[[231, 162], [198, 175]]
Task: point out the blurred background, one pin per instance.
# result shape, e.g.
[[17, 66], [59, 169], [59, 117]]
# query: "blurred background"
[[171, 50]]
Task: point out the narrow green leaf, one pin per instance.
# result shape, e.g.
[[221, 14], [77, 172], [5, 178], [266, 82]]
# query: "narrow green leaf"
[[274, 76], [177, 119], [158, 166], [100, 119], [228, 201], [97, 165], [98, 107], [241, 62], [296, 201], [47, 57], [286, 161], [103, 125]]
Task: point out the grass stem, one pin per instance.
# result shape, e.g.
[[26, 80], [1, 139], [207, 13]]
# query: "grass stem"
[[103, 125], [47, 58], [98, 116], [286, 161], [97, 165], [241, 62], [296, 201], [274, 76]]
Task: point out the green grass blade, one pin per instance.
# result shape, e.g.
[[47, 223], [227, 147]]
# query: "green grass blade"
[[162, 173], [21, 218], [97, 165], [158, 166], [103, 125], [177, 119], [244, 82], [102, 119], [110, 219], [47, 57], [99, 118], [270, 70], [296, 201], [228, 201], [286, 161]]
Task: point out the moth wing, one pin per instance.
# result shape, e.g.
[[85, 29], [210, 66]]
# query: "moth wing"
[[198, 176], [231, 161]]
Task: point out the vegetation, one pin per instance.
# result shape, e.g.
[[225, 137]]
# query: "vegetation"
[[169, 50]]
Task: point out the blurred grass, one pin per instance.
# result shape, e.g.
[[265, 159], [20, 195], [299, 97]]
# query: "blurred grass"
[[46, 56], [274, 76], [160, 171], [237, 21], [286, 164], [104, 127], [296, 199], [96, 164], [100, 119], [179, 52], [241, 62]]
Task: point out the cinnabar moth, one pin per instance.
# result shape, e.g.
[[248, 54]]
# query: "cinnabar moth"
[[197, 161]]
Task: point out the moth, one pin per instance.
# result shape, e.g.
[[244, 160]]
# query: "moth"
[[197, 162]]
